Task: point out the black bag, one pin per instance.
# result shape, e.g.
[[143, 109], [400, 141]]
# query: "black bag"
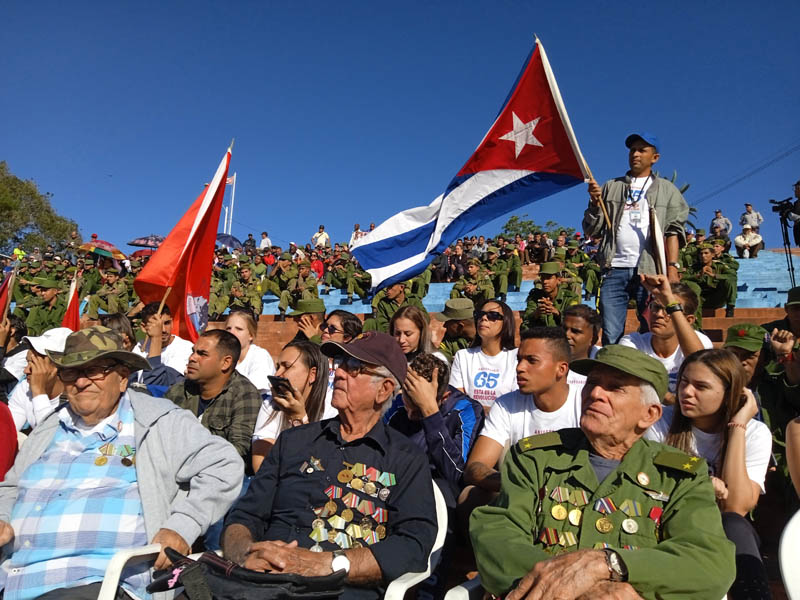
[[215, 578]]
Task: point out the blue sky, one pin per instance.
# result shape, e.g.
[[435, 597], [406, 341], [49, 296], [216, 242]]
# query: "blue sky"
[[352, 111]]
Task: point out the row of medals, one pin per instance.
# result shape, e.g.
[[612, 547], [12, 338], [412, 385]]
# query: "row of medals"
[[127, 453], [343, 531]]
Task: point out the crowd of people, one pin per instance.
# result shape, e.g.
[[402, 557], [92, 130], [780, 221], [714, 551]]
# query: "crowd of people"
[[575, 461]]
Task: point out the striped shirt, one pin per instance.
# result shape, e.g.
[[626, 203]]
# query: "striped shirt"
[[78, 504]]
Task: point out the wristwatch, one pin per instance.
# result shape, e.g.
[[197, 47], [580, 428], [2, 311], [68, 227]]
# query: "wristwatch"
[[673, 308], [616, 567], [674, 264], [340, 561]]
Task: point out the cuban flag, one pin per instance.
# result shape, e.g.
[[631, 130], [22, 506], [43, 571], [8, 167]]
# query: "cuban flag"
[[529, 153]]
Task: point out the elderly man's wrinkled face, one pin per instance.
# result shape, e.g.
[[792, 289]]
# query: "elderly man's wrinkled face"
[[357, 388], [94, 390], [611, 404]]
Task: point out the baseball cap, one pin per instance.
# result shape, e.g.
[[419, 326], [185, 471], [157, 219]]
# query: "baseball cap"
[[793, 297], [52, 339], [746, 336], [550, 268], [375, 348], [648, 137], [628, 360], [304, 306]]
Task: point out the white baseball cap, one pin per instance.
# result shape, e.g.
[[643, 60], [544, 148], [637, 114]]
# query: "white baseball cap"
[[53, 339]]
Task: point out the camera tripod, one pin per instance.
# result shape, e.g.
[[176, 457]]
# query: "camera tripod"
[[787, 248]]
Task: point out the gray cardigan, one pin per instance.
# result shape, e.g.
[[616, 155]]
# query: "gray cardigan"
[[671, 210], [188, 478]]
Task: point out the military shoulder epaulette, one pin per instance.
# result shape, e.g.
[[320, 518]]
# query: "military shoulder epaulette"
[[543, 440], [680, 461]]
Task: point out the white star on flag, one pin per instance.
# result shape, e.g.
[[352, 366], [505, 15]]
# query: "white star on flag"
[[522, 134]]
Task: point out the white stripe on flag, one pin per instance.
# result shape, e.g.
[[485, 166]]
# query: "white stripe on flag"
[[210, 192]]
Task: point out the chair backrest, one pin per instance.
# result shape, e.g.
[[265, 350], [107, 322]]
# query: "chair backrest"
[[788, 553], [396, 589]]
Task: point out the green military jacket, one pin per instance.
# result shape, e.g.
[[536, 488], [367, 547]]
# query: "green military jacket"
[[386, 309], [564, 298], [44, 317], [657, 509], [498, 267], [260, 270], [119, 289], [90, 283], [309, 284], [484, 290], [721, 271], [580, 258], [283, 279], [449, 347]]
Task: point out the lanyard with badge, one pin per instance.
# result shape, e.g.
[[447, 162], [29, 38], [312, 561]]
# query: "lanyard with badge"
[[632, 203]]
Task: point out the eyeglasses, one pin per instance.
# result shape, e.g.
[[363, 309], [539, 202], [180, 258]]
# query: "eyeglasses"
[[490, 315], [355, 367], [95, 373], [331, 329], [656, 307]]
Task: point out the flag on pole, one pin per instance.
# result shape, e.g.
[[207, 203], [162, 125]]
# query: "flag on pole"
[[72, 318], [183, 261], [230, 180], [5, 293], [529, 153]]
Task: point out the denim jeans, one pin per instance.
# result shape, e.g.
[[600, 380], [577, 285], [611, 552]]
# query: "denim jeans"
[[619, 285]]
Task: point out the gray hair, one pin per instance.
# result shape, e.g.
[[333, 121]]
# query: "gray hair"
[[379, 373], [649, 394]]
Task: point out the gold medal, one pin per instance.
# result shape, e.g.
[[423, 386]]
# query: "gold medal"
[[126, 461], [332, 535], [357, 544], [330, 505], [100, 461], [575, 516], [356, 484], [370, 488], [347, 515], [381, 531], [317, 524], [345, 476], [559, 512], [604, 525]]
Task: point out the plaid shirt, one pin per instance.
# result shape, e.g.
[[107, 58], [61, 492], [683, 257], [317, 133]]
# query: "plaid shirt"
[[231, 415], [72, 514]]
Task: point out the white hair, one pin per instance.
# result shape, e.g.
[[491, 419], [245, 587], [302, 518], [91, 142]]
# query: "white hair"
[[379, 373], [649, 394]]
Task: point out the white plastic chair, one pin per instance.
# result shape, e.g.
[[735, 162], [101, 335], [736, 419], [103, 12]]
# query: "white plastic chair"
[[472, 589], [398, 588], [788, 552], [108, 591]]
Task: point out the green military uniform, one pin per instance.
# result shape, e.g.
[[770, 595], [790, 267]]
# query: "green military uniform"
[[587, 269], [455, 309], [277, 282], [449, 346], [260, 270], [716, 290], [46, 315], [656, 509], [25, 299], [421, 283], [218, 297], [564, 297], [385, 311], [339, 274], [112, 298], [484, 290], [497, 270], [299, 288], [514, 267], [358, 282]]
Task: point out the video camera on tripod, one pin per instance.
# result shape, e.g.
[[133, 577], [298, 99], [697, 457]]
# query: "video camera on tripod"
[[788, 211], [782, 207]]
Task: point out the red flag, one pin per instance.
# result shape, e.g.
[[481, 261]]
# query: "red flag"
[[72, 318], [183, 260], [5, 295]]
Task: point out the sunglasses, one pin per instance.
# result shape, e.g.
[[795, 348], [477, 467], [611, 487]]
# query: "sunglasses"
[[355, 367], [490, 315], [95, 373], [331, 329]]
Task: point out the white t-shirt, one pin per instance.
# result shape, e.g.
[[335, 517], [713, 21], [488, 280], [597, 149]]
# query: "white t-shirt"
[[321, 239], [29, 409], [257, 364], [643, 343], [16, 364], [267, 429], [176, 355], [574, 378], [265, 243], [484, 378], [634, 224], [514, 416], [757, 450]]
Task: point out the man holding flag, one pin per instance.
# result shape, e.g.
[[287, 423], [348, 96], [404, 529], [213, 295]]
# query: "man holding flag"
[[647, 212]]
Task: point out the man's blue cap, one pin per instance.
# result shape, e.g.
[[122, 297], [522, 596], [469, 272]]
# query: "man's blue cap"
[[650, 138]]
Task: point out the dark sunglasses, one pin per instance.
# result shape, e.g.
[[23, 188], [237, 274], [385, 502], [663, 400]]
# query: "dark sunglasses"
[[491, 315]]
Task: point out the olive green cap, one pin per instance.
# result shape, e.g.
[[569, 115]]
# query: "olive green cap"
[[630, 361], [707, 245], [135, 263], [474, 261], [718, 242], [228, 257], [700, 232], [746, 336], [45, 282], [86, 345], [573, 244], [456, 309], [304, 263], [112, 271], [36, 265], [314, 305], [286, 256], [562, 251], [492, 250], [793, 297], [550, 268], [246, 265], [59, 268]]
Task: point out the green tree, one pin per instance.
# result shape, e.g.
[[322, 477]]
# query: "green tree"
[[520, 225], [27, 218]]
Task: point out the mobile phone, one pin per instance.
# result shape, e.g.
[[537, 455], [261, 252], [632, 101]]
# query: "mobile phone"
[[280, 385]]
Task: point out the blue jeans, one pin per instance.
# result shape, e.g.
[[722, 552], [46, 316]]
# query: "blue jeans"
[[619, 285], [213, 536]]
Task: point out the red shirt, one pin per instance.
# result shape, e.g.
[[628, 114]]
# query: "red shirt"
[[8, 440], [318, 268]]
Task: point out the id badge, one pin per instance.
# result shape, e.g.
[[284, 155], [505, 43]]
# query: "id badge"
[[636, 216]]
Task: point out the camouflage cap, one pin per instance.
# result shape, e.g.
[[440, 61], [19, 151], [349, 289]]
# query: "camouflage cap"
[[456, 309], [92, 343], [793, 297], [550, 268], [746, 336], [628, 360], [45, 282], [313, 305]]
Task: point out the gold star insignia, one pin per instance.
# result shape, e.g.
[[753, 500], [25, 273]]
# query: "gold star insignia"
[[526, 444], [694, 459], [687, 466]]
